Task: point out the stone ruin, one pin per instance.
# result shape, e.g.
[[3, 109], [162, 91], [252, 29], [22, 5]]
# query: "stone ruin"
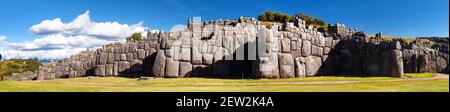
[[247, 49]]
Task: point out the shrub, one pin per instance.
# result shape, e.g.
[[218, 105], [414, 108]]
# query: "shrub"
[[135, 37], [270, 16]]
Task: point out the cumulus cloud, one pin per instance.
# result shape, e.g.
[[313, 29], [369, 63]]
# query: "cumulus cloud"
[[55, 46], [83, 25], [41, 54], [60, 40]]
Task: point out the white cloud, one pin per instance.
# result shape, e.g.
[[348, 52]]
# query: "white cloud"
[[48, 27], [83, 25], [41, 54], [2, 38], [56, 46], [61, 40]]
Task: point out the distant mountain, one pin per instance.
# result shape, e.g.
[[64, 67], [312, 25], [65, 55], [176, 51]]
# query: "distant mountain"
[[48, 60]]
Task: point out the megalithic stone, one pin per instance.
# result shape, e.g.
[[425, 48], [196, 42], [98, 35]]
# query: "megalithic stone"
[[100, 70], [185, 69], [160, 64], [172, 68]]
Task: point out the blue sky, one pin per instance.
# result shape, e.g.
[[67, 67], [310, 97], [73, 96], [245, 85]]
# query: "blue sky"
[[393, 17]]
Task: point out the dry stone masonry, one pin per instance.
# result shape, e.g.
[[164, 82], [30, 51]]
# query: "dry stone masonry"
[[246, 48]]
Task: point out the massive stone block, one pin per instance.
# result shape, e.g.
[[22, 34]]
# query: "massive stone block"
[[123, 57], [111, 58], [100, 70], [103, 58], [185, 54], [141, 54], [286, 66], [268, 67], [392, 63], [116, 69], [317, 51], [159, 65], [313, 65], [306, 48], [124, 66], [109, 70], [286, 45], [185, 68], [300, 67], [172, 68], [130, 57], [196, 56]]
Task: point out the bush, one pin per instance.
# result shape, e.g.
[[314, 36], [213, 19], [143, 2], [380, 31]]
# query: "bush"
[[135, 37], [8, 67], [270, 16], [275, 17], [313, 21]]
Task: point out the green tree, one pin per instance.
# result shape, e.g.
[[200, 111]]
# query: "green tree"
[[275, 17], [135, 37], [270, 16], [310, 20]]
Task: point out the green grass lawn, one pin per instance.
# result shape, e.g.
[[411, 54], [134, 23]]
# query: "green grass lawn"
[[115, 84], [420, 75]]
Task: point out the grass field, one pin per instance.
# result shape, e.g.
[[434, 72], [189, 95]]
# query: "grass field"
[[314, 84]]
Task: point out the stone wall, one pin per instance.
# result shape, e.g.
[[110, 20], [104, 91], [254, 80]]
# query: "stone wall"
[[429, 56], [245, 48]]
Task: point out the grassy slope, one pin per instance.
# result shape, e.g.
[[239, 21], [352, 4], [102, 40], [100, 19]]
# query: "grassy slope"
[[110, 84], [17, 66]]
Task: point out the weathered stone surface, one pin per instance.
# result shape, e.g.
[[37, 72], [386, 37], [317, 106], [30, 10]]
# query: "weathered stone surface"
[[317, 51], [160, 63], [208, 59], [117, 57], [296, 53], [123, 57], [185, 68], [268, 67], [185, 54], [141, 54], [286, 45], [312, 65], [109, 69], [111, 58], [103, 58], [124, 66], [442, 65], [300, 67], [130, 57], [287, 66], [172, 68], [392, 63], [306, 48], [100, 70], [116, 69], [196, 56]]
